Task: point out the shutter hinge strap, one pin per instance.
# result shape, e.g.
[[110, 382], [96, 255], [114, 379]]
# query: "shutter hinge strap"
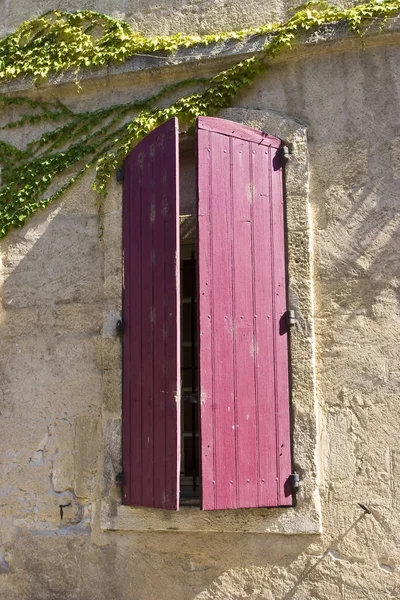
[[119, 479], [120, 175], [295, 479], [285, 153], [291, 317], [120, 327]]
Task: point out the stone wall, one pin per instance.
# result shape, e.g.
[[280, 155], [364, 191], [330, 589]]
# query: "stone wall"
[[162, 17], [60, 369]]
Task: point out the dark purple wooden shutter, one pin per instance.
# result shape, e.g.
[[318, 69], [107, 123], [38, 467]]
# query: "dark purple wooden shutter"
[[244, 390], [151, 363]]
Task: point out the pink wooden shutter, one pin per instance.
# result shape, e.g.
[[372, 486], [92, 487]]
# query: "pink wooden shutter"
[[151, 363], [244, 390]]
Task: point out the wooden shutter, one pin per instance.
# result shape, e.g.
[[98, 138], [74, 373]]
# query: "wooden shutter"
[[244, 392], [151, 362]]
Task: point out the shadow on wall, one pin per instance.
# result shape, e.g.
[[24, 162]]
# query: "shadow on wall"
[[357, 312], [192, 566], [358, 227], [316, 573]]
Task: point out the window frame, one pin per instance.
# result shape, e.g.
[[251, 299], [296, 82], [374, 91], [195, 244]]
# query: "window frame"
[[305, 516]]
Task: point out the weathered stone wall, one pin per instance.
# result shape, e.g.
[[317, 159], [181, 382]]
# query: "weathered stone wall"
[[162, 17], [60, 371]]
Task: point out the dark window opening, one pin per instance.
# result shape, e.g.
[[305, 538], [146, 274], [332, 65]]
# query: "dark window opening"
[[189, 478]]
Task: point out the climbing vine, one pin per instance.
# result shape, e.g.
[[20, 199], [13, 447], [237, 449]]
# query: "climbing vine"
[[59, 41]]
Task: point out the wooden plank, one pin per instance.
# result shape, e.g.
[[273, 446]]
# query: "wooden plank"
[[217, 361], [224, 361], [245, 343], [147, 302], [237, 130], [264, 309], [206, 357], [157, 184], [282, 423], [151, 378]]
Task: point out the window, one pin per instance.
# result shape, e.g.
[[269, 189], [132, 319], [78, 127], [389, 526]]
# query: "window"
[[244, 433]]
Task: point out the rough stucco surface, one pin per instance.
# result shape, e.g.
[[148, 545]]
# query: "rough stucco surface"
[[60, 374], [162, 16]]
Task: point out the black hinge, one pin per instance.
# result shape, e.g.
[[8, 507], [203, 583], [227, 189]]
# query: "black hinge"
[[120, 175], [120, 327], [291, 317], [285, 151], [119, 479], [295, 479]]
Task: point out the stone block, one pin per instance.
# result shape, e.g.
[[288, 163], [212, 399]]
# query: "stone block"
[[47, 377], [110, 319], [113, 201], [86, 456], [112, 384], [112, 239], [395, 157], [112, 353], [60, 451], [112, 455], [63, 265]]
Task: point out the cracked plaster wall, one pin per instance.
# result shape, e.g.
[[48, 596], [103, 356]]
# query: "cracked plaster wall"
[[60, 373]]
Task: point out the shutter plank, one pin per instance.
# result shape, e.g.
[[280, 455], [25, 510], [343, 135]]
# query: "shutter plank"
[[207, 424], [266, 338], [232, 129], [221, 326], [219, 458], [151, 364], [159, 319], [281, 375], [244, 317], [146, 338], [242, 268]]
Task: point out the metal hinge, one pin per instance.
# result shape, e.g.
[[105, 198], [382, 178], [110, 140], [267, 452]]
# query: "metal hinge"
[[285, 153], [291, 317], [119, 175], [119, 479], [120, 327], [295, 479]]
